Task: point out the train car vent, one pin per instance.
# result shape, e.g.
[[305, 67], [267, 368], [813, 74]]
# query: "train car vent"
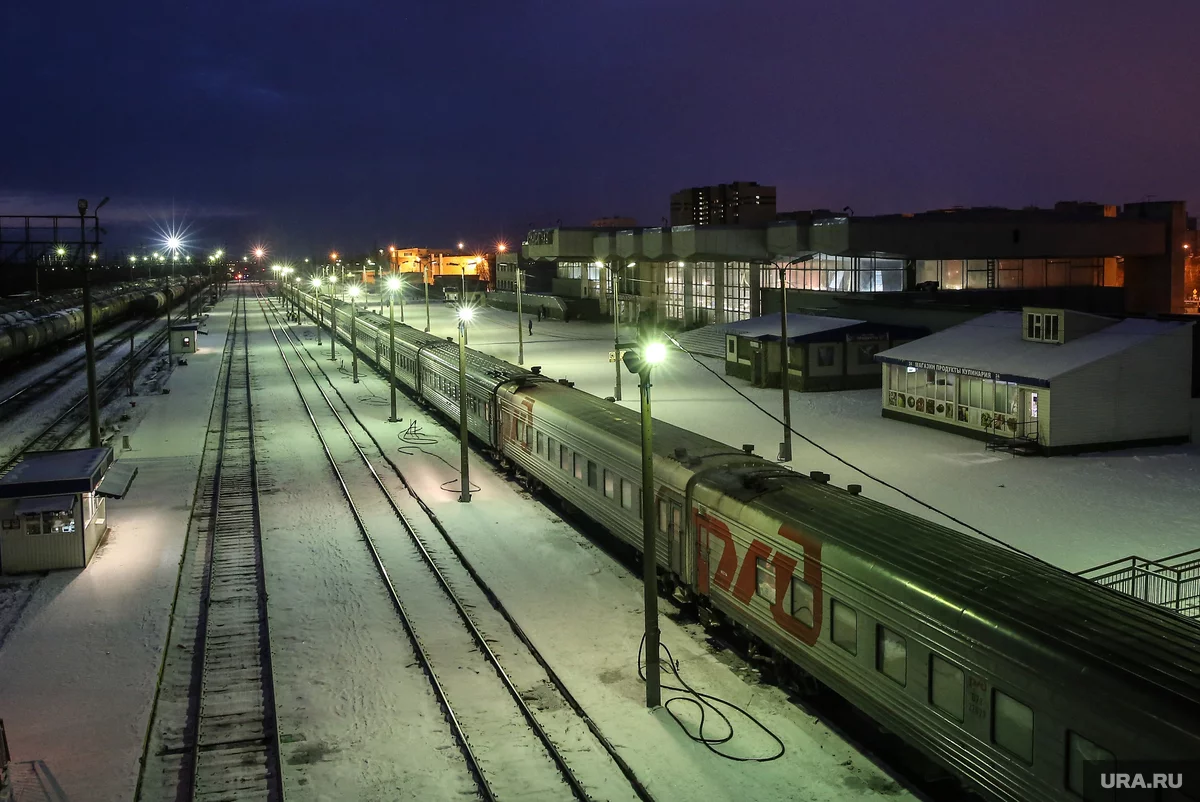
[[819, 477], [536, 370], [681, 454], [748, 448], [449, 339], [854, 490], [563, 382]]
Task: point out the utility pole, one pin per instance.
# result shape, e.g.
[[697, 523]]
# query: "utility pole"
[[520, 324], [785, 448], [616, 330], [332, 320], [464, 314], [393, 284], [425, 280], [354, 331], [89, 341]]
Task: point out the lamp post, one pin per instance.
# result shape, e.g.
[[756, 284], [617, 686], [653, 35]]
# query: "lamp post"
[[520, 326], [393, 285], [332, 319], [89, 342], [464, 317], [614, 275], [316, 282], [642, 362], [785, 448], [425, 281], [353, 291]]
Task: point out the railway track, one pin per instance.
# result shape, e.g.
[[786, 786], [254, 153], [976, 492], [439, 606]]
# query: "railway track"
[[507, 748], [50, 380], [214, 730], [63, 429]]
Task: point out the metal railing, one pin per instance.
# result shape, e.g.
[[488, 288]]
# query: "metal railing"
[[1021, 437], [1172, 582]]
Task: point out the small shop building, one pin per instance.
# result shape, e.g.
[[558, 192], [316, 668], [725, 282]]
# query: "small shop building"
[[1047, 381], [824, 353], [53, 510]]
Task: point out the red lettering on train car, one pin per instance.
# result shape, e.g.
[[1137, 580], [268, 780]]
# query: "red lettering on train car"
[[744, 589], [514, 433], [706, 527], [785, 568]]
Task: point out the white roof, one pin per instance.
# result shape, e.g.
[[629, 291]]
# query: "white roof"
[[993, 343], [798, 325]]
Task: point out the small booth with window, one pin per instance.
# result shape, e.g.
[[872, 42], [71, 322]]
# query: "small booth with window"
[[183, 338], [53, 512], [1114, 383]]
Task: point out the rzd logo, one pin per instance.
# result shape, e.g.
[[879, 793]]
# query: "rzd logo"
[[708, 529]]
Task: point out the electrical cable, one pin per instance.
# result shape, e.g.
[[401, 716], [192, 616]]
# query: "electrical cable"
[[415, 439], [857, 469], [703, 702]]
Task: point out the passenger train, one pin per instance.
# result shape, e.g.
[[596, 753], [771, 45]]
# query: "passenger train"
[[1004, 671]]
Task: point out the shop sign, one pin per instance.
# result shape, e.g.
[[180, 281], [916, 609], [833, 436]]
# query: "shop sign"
[[980, 374]]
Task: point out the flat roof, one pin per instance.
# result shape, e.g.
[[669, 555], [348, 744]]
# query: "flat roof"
[[992, 344], [804, 327], [48, 473]]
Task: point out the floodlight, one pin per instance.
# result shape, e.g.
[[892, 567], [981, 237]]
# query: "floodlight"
[[353, 289], [316, 282], [465, 313], [333, 279], [655, 353], [393, 284]]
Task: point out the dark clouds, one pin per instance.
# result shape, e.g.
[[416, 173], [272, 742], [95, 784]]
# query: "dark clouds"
[[341, 123]]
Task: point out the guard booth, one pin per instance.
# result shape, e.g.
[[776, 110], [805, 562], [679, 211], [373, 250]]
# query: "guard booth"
[[53, 511], [183, 338]]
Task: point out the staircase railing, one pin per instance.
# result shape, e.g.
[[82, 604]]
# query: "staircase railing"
[[1172, 582]]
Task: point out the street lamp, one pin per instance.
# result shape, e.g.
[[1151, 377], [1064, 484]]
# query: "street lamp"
[[785, 448], [464, 317], [332, 319], [277, 269], [613, 277], [354, 290], [316, 282], [520, 326], [393, 285], [425, 280], [641, 361]]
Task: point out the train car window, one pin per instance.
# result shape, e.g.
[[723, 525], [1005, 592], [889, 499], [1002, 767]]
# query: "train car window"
[[802, 601], [1012, 725], [564, 457], [528, 435], [551, 450], [580, 465], [664, 513], [891, 654], [626, 494], [1080, 749], [593, 480], [946, 687], [610, 484], [844, 629], [764, 579], [541, 444]]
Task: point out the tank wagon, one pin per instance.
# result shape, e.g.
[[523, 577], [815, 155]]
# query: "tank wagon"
[[1006, 672], [24, 331]]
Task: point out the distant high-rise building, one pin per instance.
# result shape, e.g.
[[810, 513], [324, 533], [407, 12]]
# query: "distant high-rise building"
[[741, 203]]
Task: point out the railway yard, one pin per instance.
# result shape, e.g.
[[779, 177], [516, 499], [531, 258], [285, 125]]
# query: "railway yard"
[[293, 604]]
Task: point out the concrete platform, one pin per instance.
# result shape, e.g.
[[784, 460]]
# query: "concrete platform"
[[78, 671]]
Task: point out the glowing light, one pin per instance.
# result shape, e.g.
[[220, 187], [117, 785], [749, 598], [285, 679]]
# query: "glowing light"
[[502, 247], [460, 246], [333, 256], [316, 282], [354, 290], [654, 353], [465, 313], [393, 284], [333, 279], [391, 249], [174, 243], [62, 251]]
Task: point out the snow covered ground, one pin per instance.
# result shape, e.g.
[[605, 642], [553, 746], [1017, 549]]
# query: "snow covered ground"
[[1075, 512]]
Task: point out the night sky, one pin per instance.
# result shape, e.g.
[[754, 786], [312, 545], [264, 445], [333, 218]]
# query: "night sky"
[[317, 124]]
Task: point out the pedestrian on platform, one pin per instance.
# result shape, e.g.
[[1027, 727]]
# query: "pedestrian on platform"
[[530, 327]]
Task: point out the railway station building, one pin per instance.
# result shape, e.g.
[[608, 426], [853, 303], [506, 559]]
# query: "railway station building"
[[1104, 259], [53, 510], [1048, 381]]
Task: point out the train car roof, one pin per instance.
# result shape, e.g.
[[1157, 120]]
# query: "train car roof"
[[990, 588]]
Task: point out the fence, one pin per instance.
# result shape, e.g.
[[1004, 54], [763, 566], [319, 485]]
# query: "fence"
[[1172, 582]]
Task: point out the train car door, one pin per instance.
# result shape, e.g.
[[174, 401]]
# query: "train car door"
[[670, 523]]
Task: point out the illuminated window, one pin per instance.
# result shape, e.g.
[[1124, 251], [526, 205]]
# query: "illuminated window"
[[802, 601], [844, 629], [891, 655], [764, 580], [610, 484]]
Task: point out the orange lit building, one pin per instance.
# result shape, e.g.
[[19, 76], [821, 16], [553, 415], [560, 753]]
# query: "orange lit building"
[[433, 263]]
